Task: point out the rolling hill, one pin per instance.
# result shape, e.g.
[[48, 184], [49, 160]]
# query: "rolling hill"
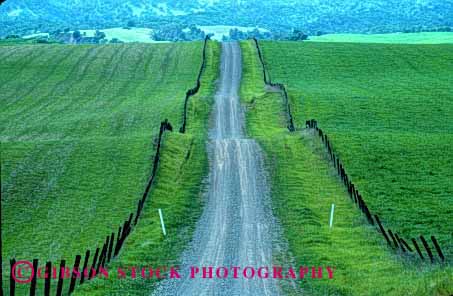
[[339, 16]]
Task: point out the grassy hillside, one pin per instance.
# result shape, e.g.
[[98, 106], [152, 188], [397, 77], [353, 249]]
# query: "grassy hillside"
[[406, 38], [353, 16], [77, 129], [304, 186], [388, 110]]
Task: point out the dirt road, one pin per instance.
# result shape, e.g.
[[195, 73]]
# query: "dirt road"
[[235, 227]]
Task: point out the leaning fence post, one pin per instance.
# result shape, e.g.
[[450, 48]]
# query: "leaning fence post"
[[118, 240], [428, 250], [400, 243], [123, 236], [107, 243], [406, 245], [48, 277], [368, 215], [35, 276], [112, 238], [360, 203], [139, 209], [92, 267], [436, 245], [61, 277], [382, 229], [85, 265], [102, 256], [131, 215], [12, 282], [393, 238], [74, 274], [417, 248]]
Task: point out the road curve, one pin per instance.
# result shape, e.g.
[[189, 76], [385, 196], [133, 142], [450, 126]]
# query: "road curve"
[[235, 229]]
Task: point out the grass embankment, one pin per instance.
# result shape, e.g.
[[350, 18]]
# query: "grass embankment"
[[78, 129], [303, 188]]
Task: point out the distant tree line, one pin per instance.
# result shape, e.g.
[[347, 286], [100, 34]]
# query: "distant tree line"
[[293, 35], [180, 31], [176, 32], [419, 29]]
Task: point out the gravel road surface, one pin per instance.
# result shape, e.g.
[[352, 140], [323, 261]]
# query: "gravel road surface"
[[235, 229]]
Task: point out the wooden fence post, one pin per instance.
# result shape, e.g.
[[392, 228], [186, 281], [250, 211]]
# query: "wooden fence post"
[[393, 238], [61, 277], [428, 250], [85, 266], [129, 224], [117, 246], [35, 276], [382, 229], [101, 257], [406, 245], [360, 200], [93, 265], [436, 245], [123, 234], [107, 243], [74, 274], [139, 209], [12, 282], [399, 242], [48, 278], [417, 248], [368, 215], [112, 238]]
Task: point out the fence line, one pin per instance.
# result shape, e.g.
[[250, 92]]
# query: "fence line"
[[280, 86], [191, 92], [398, 242], [393, 239], [110, 248]]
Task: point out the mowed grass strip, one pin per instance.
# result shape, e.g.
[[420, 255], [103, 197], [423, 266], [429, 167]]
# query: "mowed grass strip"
[[304, 186], [388, 111], [78, 125]]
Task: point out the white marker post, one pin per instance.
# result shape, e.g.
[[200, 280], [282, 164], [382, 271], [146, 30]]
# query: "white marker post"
[[331, 215], [162, 222]]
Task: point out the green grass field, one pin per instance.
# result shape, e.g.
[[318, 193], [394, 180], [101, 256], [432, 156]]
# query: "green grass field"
[[304, 185], [388, 110], [406, 38], [78, 125]]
